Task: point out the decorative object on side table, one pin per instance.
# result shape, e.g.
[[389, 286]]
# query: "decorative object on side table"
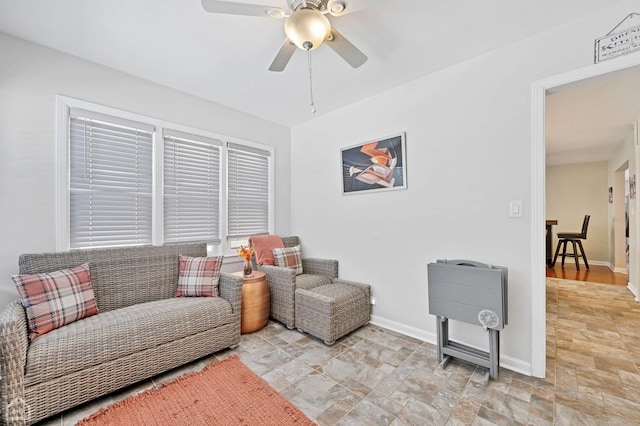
[[246, 253], [256, 302]]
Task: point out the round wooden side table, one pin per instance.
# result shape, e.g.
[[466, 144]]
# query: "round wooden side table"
[[255, 302]]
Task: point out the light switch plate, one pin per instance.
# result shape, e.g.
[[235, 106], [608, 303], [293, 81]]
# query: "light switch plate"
[[515, 208]]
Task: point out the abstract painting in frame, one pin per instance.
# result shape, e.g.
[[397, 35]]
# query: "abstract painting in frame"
[[378, 165]]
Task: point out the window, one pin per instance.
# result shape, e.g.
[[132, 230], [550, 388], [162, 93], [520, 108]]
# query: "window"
[[126, 179], [191, 188], [110, 181], [248, 191]]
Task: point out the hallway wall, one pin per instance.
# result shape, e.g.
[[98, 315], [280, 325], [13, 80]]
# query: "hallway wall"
[[574, 190]]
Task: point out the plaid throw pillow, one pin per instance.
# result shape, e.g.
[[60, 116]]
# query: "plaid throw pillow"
[[288, 257], [199, 276], [56, 298]]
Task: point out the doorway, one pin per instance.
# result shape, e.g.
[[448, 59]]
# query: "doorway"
[[621, 219], [539, 90]]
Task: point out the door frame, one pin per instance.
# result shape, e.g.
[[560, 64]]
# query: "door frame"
[[539, 90]]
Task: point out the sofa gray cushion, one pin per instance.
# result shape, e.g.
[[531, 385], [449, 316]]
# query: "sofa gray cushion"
[[114, 334]]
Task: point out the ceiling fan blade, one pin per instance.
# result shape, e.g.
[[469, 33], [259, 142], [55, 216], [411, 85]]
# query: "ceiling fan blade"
[[284, 55], [230, 8], [345, 49]]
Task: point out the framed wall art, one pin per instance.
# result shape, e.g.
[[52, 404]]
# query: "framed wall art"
[[377, 165]]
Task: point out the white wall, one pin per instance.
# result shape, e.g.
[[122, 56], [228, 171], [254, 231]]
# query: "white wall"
[[634, 213], [574, 190], [468, 133], [30, 78], [624, 154]]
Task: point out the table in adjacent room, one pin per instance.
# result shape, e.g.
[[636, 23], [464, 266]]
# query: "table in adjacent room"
[[550, 224], [255, 302]]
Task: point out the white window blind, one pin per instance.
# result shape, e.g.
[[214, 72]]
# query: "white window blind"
[[191, 188], [110, 185], [248, 191]]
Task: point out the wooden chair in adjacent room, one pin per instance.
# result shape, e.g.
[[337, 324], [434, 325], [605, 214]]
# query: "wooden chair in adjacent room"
[[575, 238]]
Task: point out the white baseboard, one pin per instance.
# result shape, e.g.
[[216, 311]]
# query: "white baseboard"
[[513, 364], [425, 336], [517, 365], [633, 291], [608, 265]]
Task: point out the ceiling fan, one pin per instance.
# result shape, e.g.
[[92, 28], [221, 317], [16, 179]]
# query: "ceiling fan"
[[306, 27]]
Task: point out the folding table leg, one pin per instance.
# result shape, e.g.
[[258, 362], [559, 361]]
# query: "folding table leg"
[[494, 353], [442, 332]]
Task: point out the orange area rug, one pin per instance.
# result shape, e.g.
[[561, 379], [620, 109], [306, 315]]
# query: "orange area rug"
[[223, 393]]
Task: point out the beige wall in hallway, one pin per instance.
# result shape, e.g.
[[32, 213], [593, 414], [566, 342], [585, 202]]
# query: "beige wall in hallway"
[[573, 190]]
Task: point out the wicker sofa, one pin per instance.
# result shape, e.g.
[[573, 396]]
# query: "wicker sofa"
[[141, 330]]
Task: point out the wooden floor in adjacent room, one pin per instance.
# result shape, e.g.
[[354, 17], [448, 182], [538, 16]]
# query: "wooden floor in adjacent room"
[[595, 274]]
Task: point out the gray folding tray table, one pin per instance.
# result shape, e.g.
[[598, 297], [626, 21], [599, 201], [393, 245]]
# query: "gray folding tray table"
[[472, 292]]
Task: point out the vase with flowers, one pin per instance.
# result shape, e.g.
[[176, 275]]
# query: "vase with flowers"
[[246, 253]]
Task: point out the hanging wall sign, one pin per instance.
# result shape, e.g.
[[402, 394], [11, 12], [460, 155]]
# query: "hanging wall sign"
[[617, 44]]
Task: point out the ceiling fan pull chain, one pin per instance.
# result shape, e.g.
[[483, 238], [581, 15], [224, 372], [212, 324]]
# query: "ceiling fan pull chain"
[[313, 106]]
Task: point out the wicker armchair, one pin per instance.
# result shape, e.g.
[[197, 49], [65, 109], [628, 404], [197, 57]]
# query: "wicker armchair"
[[283, 282]]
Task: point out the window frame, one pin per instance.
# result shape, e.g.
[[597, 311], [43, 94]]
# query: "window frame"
[[189, 141], [100, 149], [64, 104], [234, 241]]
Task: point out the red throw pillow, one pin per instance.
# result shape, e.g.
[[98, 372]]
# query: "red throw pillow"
[[263, 246], [199, 276], [56, 298], [288, 257]]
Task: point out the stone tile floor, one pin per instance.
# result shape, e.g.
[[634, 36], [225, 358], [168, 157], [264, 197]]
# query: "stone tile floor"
[[378, 377]]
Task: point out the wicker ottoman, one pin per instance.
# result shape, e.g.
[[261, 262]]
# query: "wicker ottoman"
[[331, 311]]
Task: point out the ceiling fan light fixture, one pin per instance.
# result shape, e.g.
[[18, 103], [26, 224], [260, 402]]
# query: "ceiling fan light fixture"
[[336, 7], [275, 12], [307, 28]]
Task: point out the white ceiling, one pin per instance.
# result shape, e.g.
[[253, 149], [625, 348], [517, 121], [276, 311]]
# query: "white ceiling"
[[587, 122], [225, 58]]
